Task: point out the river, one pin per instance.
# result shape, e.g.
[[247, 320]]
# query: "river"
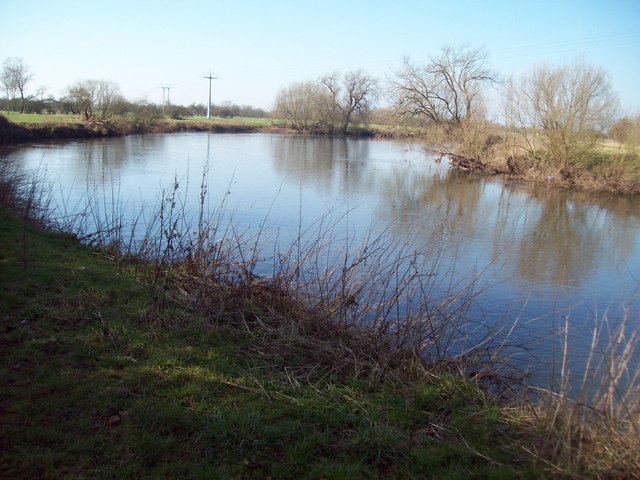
[[545, 255]]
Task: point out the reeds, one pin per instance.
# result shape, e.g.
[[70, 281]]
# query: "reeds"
[[590, 426]]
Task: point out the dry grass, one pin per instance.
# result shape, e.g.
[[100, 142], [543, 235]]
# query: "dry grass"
[[589, 427]]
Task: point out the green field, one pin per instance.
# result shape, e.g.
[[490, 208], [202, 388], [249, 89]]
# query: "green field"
[[36, 118], [41, 118], [260, 122]]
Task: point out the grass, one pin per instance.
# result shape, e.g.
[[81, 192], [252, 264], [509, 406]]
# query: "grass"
[[260, 122], [97, 382], [38, 118]]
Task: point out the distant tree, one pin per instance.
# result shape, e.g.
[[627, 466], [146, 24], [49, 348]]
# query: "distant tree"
[[569, 106], [144, 115], [448, 89], [95, 99], [350, 95], [626, 130], [226, 110], [197, 109], [14, 78]]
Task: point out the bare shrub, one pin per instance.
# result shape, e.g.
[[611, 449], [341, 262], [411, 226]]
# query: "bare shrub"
[[561, 112]]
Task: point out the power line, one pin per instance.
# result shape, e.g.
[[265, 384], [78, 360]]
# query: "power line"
[[568, 45]]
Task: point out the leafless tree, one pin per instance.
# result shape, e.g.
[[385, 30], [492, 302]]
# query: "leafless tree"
[[349, 96], [446, 90], [568, 106], [95, 99], [300, 105], [14, 77]]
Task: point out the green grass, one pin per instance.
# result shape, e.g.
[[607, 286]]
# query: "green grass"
[[97, 382], [41, 118], [261, 122]]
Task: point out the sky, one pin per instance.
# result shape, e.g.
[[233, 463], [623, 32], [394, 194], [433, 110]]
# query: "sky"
[[255, 48]]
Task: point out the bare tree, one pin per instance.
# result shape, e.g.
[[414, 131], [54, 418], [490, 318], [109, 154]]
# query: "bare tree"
[[332, 102], [15, 77], [446, 90], [569, 106], [352, 96], [300, 105], [94, 99]]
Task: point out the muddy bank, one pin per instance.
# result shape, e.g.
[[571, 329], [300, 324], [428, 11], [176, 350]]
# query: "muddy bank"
[[608, 177]]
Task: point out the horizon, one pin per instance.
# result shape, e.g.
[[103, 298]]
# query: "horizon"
[[257, 48]]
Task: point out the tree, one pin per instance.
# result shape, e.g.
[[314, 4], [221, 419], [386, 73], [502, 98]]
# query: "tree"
[[332, 102], [570, 106], [300, 105], [446, 90], [351, 97], [626, 131], [94, 99], [15, 77]]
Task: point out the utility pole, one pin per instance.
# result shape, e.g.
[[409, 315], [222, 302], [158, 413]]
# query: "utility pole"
[[210, 77], [168, 88]]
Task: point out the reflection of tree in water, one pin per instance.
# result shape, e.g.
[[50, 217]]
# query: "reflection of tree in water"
[[103, 156], [567, 239], [559, 237], [324, 161], [547, 235], [444, 205], [559, 246]]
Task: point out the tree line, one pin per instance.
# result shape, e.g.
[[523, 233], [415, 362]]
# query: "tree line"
[[96, 100]]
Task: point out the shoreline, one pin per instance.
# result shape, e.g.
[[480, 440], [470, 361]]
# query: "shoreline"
[[493, 163]]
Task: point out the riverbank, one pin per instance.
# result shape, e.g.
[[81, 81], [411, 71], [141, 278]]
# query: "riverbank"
[[616, 172], [613, 168], [100, 380], [603, 166], [71, 127]]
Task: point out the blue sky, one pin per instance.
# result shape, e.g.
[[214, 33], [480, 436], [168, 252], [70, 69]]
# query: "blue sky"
[[257, 47]]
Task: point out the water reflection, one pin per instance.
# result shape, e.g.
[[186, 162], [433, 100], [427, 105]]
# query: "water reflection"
[[546, 236], [325, 162], [553, 246]]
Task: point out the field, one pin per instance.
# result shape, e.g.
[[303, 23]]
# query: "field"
[[30, 118]]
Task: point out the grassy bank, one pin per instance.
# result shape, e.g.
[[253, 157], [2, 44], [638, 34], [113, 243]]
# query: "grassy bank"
[[98, 381]]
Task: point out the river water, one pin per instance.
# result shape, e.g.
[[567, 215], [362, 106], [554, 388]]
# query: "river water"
[[545, 255]]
